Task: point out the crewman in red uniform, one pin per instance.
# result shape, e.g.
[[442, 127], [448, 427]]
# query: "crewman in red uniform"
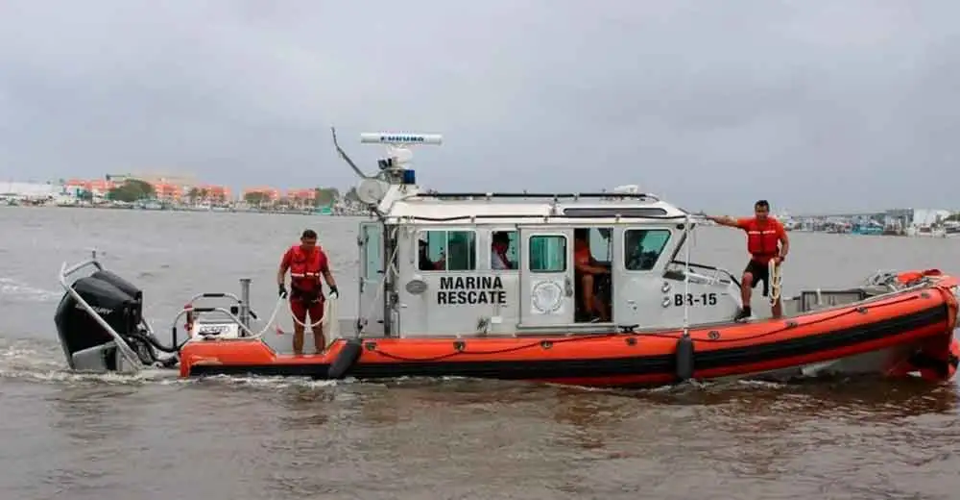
[[766, 240], [306, 263]]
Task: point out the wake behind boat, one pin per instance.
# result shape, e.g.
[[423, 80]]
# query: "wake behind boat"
[[485, 285]]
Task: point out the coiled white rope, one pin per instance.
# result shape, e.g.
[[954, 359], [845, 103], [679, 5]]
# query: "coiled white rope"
[[321, 321], [273, 317], [776, 281], [329, 311]]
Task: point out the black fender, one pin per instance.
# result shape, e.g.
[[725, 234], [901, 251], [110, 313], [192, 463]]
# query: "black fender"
[[684, 358], [347, 357]]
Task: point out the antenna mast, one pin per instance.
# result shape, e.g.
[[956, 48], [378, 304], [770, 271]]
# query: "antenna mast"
[[393, 168]]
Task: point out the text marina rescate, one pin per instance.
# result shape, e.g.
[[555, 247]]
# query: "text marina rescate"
[[471, 290]]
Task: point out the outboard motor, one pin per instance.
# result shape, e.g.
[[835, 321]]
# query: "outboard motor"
[[88, 346]]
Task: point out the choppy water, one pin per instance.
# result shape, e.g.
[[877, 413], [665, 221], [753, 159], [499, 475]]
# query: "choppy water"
[[144, 437]]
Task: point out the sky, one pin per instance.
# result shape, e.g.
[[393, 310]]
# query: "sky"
[[815, 105]]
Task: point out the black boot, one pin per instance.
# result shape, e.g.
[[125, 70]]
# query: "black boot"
[[743, 314]]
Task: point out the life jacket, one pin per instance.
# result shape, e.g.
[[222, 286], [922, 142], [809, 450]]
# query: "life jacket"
[[305, 269], [763, 240]]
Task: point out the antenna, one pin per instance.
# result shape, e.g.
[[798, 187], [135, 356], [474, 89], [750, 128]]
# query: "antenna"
[[397, 138], [373, 188], [627, 188], [399, 153]]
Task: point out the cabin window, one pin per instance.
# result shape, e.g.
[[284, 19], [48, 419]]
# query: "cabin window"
[[503, 250], [642, 248], [548, 253], [372, 251], [447, 251]]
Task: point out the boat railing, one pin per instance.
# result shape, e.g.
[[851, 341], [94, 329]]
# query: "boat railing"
[[882, 278], [241, 313], [879, 286], [717, 273], [549, 196], [124, 348], [472, 218], [197, 310], [239, 308]]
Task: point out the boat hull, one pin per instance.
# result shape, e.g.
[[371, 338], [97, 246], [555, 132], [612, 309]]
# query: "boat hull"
[[904, 333]]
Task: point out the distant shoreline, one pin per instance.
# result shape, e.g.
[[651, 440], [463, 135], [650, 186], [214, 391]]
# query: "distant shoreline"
[[333, 213]]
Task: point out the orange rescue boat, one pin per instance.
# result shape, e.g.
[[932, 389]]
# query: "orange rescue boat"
[[907, 332], [488, 285]]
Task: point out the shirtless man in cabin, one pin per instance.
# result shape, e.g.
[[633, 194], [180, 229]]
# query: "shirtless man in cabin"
[[588, 272], [766, 240]]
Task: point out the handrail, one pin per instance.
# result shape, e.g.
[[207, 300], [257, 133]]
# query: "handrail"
[[212, 309], [250, 333], [121, 344], [472, 217], [709, 268], [686, 282], [555, 196], [215, 295], [64, 271]]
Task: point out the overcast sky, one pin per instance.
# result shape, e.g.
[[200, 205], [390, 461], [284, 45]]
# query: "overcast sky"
[[813, 104]]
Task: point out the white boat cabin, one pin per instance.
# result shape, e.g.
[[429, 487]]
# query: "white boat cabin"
[[478, 264]]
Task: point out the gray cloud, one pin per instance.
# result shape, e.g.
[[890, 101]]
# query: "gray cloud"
[[813, 105]]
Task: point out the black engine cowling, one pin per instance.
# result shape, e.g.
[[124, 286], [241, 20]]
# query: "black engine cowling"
[[118, 302]]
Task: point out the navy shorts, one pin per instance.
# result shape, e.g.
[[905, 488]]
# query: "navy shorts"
[[760, 272]]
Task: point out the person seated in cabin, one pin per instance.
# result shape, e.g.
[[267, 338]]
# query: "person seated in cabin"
[[498, 251], [423, 259], [606, 280], [588, 273]]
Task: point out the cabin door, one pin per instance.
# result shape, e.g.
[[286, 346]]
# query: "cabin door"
[[370, 241], [546, 276], [640, 257]]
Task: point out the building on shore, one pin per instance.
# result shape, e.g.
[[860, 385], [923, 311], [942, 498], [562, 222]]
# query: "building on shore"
[[185, 180], [260, 196], [89, 188], [177, 192], [169, 192], [13, 193], [301, 199], [210, 194]]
